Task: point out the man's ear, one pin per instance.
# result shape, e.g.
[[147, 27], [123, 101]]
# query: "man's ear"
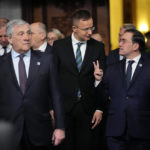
[[43, 35], [9, 39], [74, 28], [136, 46]]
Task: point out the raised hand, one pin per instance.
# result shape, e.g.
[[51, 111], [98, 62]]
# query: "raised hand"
[[98, 73]]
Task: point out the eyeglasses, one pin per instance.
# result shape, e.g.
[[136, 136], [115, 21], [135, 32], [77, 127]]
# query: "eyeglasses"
[[87, 29], [52, 39]]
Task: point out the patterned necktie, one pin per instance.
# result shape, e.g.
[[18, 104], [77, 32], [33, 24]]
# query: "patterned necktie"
[[128, 73], [22, 73], [79, 63], [79, 57]]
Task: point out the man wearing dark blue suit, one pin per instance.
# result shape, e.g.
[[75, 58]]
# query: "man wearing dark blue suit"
[[28, 84], [127, 85]]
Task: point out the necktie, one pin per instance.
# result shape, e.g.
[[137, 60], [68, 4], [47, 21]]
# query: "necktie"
[[78, 56], [5, 50], [79, 63], [129, 72], [22, 73]]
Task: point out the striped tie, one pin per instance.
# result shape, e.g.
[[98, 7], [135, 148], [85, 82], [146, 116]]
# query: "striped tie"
[[79, 57], [79, 63]]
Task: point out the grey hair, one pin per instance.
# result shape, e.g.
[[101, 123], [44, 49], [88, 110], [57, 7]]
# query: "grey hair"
[[57, 32], [12, 23], [128, 26]]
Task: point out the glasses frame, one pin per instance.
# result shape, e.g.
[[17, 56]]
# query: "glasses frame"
[[87, 29]]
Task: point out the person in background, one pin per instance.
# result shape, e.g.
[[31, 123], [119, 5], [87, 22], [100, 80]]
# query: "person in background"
[[75, 55], [3, 21], [5, 47], [39, 42], [33, 83], [114, 56], [53, 35]]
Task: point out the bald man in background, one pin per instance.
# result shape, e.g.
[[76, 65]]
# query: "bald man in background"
[[39, 42]]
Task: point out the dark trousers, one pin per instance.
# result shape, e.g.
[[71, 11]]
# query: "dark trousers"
[[25, 144], [79, 135], [127, 143]]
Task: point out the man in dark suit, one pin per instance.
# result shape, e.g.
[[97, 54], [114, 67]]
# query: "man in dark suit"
[[77, 81], [28, 83], [39, 41], [127, 85], [114, 56]]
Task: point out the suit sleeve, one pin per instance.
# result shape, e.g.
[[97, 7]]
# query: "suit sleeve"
[[57, 101], [102, 57]]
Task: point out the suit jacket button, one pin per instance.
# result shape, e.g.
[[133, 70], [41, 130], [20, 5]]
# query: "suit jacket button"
[[127, 97]]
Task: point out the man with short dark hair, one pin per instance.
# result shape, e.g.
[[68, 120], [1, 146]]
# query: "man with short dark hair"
[[75, 55], [126, 83]]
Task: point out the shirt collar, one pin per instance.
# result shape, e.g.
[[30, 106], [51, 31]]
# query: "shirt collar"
[[15, 54], [136, 59], [75, 41], [43, 47]]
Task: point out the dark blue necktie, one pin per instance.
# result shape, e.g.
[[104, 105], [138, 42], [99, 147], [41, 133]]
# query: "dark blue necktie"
[[129, 73], [79, 63], [22, 73]]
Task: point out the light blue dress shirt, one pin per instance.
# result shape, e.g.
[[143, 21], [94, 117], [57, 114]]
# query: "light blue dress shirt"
[[15, 60]]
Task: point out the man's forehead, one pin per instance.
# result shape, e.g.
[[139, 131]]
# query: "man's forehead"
[[21, 27], [127, 35]]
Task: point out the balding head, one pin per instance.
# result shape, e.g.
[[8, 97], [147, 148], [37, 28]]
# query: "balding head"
[[38, 30]]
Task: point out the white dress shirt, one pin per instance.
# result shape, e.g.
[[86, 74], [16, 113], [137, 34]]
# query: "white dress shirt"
[[134, 65], [15, 59], [82, 48], [42, 48]]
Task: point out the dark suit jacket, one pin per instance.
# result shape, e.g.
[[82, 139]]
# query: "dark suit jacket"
[[48, 49], [113, 57], [71, 79], [31, 108], [128, 109]]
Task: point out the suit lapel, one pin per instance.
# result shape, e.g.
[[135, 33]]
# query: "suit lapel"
[[71, 61], [137, 71], [88, 53], [35, 64], [12, 72], [122, 70]]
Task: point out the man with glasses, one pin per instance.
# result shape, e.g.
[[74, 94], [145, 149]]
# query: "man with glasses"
[[126, 83], [75, 56], [39, 42]]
